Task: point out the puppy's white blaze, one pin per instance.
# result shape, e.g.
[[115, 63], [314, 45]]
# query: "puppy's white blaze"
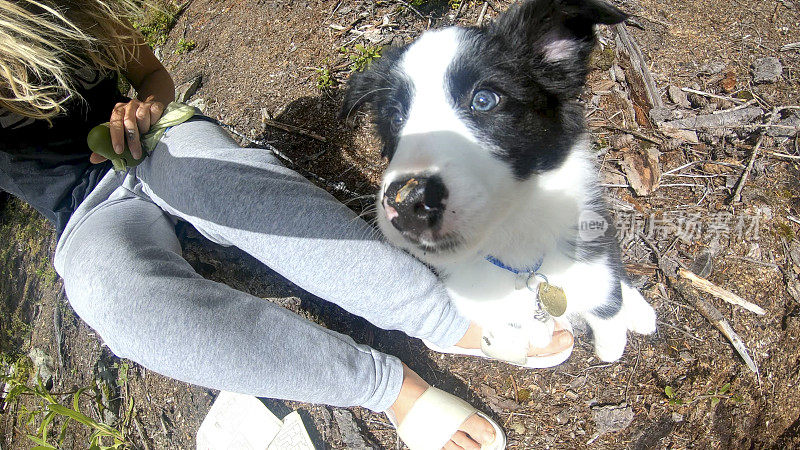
[[426, 64]]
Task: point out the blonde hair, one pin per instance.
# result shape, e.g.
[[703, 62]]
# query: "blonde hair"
[[43, 41]]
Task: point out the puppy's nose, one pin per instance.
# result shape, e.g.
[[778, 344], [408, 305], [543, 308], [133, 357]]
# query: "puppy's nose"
[[414, 204]]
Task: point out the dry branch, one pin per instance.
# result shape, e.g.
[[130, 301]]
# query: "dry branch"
[[729, 119], [293, 129], [713, 315], [721, 293], [639, 65]]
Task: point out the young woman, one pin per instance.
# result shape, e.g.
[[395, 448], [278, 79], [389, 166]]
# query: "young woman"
[[121, 261]]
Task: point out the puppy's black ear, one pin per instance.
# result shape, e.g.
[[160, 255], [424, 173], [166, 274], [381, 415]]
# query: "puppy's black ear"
[[364, 87], [360, 86], [554, 38]]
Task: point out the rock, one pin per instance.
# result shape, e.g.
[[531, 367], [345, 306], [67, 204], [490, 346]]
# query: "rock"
[[611, 418], [186, 90], [712, 67], [42, 366], [677, 96], [660, 114], [198, 103], [767, 70], [351, 435], [792, 121], [564, 416], [697, 100], [373, 35], [106, 382], [397, 41]]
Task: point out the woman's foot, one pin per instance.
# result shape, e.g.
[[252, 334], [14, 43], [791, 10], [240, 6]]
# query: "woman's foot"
[[470, 435], [562, 340]]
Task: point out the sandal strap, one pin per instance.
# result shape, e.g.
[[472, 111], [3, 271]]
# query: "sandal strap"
[[433, 419]]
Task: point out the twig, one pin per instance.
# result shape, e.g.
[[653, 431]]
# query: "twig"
[[677, 169], [708, 94], [482, 14], [458, 11], [724, 294], [139, 431], [715, 317], [750, 102], [293, 129], [737, 195], [639, 65], [792, 46], [793, 219], [411, 7], [686, 333], [755, 261], [784, 155], [637, 134]]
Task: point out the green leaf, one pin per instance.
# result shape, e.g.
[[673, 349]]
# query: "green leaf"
[[45, 423], [714, 401], [42, 444], [76, 398], [84, 419], [725, 388], [669, 391]]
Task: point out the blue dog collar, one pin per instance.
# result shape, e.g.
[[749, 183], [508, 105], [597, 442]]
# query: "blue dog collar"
[[516, 271]]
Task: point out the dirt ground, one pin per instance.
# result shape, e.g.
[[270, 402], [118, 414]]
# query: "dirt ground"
[[262, 59]]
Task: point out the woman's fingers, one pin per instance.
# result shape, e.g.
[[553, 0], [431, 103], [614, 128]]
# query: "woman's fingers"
[[132, 129], [129, 121], [96, 159], [156, 110], [117, 127], [143, 117]]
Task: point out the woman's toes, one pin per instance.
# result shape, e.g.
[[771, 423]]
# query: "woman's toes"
[[451, 446], [562, 340], [464, 441], [478, 429]]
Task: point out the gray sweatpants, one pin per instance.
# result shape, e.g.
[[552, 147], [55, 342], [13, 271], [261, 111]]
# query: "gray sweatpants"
[[124, 275]]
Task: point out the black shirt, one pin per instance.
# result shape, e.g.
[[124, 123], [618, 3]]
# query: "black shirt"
[[48, 165]]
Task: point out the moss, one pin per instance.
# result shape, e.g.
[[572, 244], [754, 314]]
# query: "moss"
[[602, 59], [784, 230]]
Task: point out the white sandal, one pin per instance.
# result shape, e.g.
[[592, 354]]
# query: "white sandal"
[[435, 417], [502, 350]]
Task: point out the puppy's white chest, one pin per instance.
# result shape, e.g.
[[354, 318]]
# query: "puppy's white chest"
[[487, 294]]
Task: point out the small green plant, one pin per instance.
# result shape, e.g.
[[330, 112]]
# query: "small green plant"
[[159, 21], [672, 396], [722, 394], [363, 56], [184, 46], [49, 410], [324, 79]]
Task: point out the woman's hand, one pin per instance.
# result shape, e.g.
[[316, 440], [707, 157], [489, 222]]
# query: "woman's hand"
[[128, 121]]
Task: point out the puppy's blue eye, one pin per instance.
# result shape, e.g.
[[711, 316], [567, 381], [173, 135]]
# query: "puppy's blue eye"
[[396, 121], [484, 100]]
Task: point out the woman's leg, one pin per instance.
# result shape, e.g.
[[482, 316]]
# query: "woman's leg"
[[244, 197], [124, 275]]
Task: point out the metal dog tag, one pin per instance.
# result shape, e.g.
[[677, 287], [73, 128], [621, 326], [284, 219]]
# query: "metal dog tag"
[[552, 299]]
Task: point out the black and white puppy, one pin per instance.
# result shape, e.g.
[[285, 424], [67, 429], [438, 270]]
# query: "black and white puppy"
[[490, 171]]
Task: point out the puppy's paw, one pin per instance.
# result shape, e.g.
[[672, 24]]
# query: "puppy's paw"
[[640, 317], [610, 348]]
